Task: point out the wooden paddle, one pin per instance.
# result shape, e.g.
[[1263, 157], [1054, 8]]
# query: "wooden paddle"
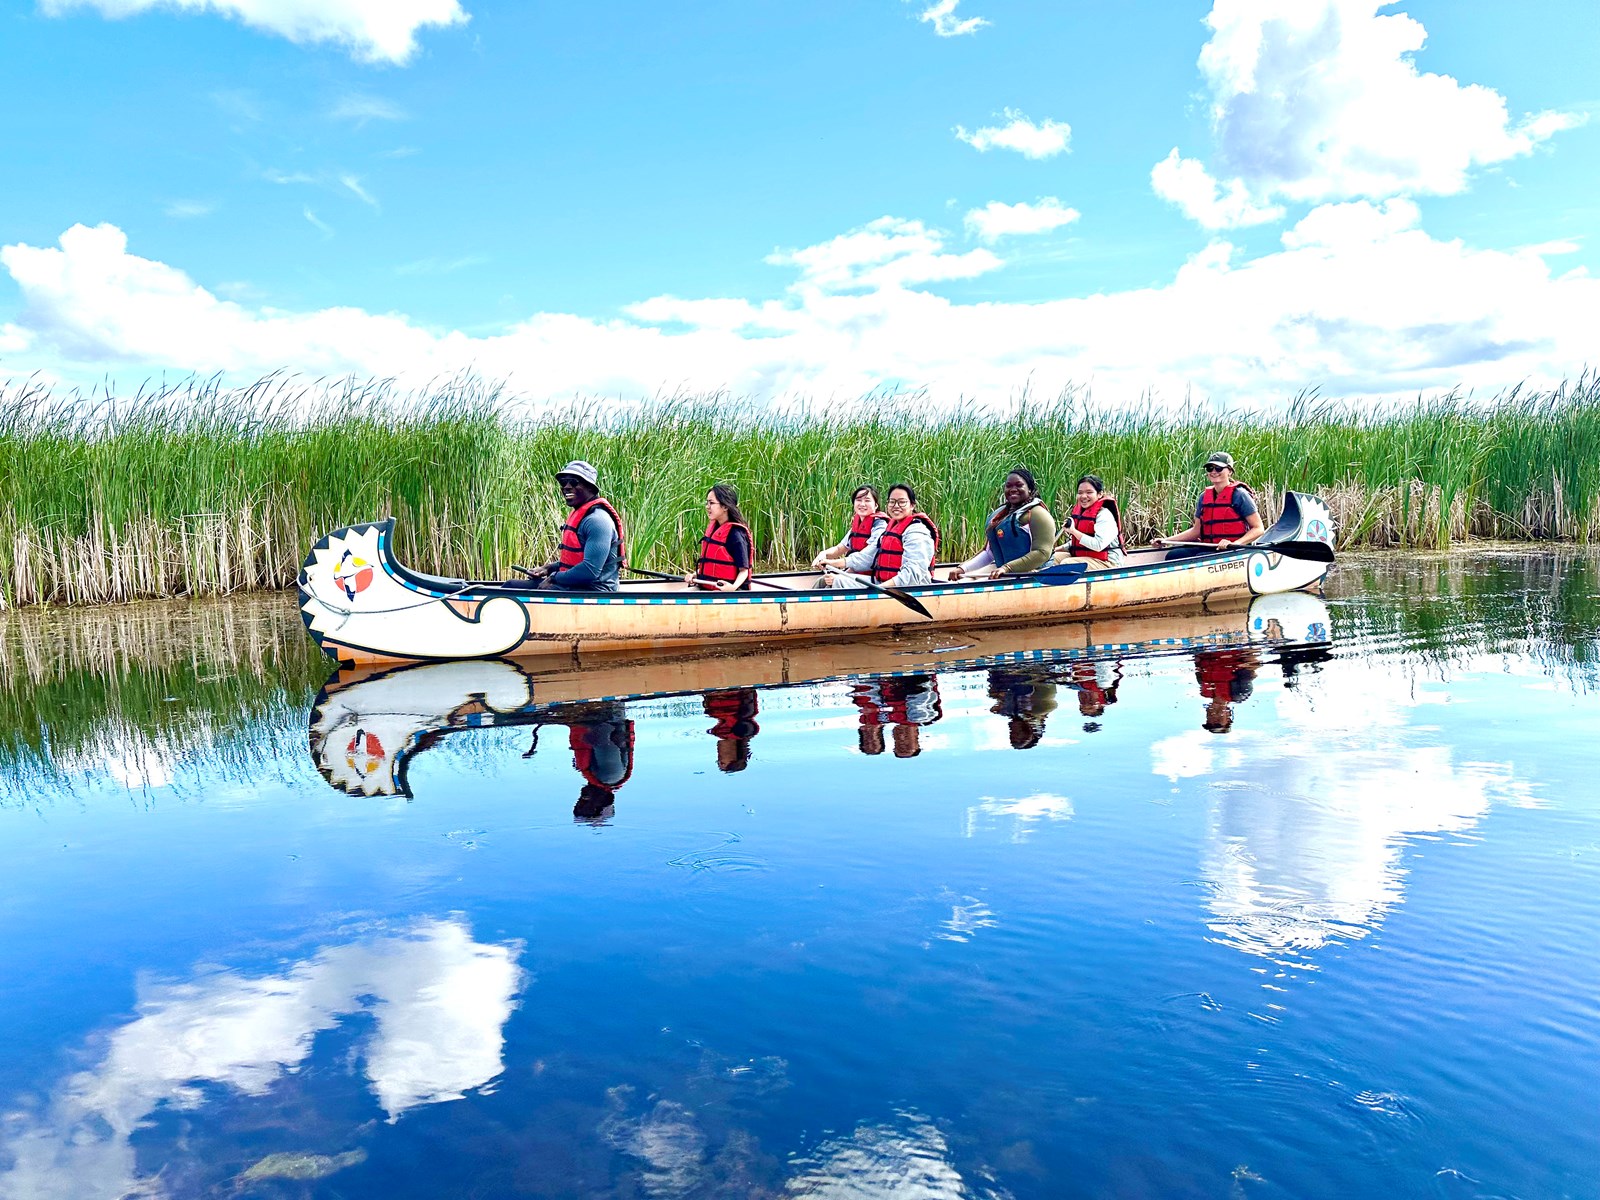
[[905, 598], [910, 602], [679, 579], [872, 585]]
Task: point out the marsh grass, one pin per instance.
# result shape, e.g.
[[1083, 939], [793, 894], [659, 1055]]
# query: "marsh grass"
[[140, 690], [196, 489]]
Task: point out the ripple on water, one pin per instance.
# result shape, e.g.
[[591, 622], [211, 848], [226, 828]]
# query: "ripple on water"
[[719, 858]]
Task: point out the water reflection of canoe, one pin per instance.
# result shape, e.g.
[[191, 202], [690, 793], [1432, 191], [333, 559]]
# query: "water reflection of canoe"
[[368, 722], [363, 606]]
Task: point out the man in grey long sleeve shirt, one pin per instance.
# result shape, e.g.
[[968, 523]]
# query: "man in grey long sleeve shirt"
[[590, 558]]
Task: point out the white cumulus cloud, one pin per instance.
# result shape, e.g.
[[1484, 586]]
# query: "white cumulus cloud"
[[888, 252], [1186, 183], [1316, 100], [1358, 301], [945, 22], [997, 219], [1043, 140], [372, 30]]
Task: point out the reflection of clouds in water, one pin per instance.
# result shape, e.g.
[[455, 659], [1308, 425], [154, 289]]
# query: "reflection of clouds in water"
[[128, 756], [1026, 813], [438, 999], [966, 919], [1191, 754], [1308, 822], [908, 1160]]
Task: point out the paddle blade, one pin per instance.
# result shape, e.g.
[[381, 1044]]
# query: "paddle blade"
[[1066, 572], [1310, 551], [909, 601]]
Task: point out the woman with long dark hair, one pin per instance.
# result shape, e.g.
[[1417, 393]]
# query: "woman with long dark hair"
[[902, 553], [866, 521], [726, 548], [1093, 529]]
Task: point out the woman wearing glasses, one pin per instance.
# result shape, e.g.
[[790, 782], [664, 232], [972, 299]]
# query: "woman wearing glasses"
[[900, 554], [1226, 514]]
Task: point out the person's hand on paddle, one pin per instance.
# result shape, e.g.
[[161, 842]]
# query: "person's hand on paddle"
[[709, 585]]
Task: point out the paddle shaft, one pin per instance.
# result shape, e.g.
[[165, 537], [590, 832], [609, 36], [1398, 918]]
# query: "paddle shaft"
[[679, 578], [910, 602], [905, 598]]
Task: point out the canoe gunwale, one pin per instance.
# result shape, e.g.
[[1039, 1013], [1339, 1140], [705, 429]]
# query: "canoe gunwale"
[[478, 623]]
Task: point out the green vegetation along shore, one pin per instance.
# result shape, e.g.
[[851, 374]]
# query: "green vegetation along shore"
[[197, 489]]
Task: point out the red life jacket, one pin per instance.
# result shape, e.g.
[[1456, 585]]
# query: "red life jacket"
[[734, 711], [868, 697], [1218, 520], [583, 754], [1215, 672], [861, 530], [892, 547], [1083, 519], [571, 547], [715, 562]]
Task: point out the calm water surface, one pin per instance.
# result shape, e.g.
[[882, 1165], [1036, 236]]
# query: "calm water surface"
[[1290, 902]]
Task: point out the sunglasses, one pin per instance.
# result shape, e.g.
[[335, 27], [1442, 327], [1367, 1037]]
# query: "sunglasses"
[[1215, 470]]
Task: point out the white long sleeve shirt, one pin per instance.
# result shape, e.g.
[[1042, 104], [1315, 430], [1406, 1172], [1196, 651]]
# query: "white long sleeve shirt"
[[916, 563]]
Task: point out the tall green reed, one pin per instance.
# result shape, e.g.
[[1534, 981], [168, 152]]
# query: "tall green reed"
[[194, 488]]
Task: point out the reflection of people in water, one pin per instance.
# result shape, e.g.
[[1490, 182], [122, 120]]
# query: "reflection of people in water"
[[601, 738], [734, 712], [867, 696], [1097, 684], [1026, 697], [905, 703], [1226, 677]]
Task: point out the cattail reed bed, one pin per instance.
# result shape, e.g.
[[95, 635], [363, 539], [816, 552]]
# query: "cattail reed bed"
[[198, 489]]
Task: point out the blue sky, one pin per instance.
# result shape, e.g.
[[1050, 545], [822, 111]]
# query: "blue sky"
[[805, 200]]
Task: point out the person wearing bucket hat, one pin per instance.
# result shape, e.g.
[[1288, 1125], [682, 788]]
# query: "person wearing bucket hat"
[[1225, 515], [590, 555]]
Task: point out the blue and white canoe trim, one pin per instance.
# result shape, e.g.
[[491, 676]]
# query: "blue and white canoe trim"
[[362, 605]]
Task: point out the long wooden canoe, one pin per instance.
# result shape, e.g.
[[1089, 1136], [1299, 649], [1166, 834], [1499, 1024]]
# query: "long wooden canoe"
[[363, 606], [368, 722]]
